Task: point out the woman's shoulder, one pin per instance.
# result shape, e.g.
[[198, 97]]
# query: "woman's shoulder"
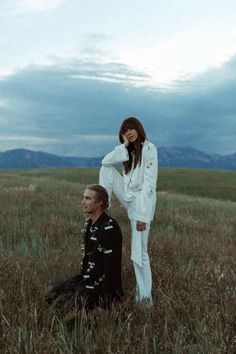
[[148, 146]]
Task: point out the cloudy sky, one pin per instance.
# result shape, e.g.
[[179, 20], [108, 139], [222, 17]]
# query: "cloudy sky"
[[72, 70]]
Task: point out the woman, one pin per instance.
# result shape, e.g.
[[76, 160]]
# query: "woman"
[[136, 191]]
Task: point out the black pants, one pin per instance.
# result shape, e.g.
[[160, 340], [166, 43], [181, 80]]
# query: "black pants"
[[72, 293]]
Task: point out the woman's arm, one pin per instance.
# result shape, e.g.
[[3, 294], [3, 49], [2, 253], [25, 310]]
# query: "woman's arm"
[[118, 155]]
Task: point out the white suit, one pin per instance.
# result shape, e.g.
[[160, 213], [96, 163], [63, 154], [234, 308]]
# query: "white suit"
[[136, 191]]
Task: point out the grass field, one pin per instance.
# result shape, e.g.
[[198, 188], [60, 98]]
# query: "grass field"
[[191, 246]]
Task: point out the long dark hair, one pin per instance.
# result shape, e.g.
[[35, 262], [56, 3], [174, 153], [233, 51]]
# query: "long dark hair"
[[136, 148]]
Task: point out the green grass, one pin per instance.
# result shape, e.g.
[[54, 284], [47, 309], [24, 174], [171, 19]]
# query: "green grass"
[[218, 184], [191, 247]]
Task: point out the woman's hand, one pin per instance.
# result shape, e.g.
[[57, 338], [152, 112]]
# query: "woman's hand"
[[141, 226], [126, 140]]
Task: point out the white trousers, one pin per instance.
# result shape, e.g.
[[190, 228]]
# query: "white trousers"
[[112, 180]]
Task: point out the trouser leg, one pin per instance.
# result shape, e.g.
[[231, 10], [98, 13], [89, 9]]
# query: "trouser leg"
[[142, 271], [67, 286], [70, 294], [112, 180]]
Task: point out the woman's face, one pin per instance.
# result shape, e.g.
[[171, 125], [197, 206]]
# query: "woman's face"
[[131, 135]]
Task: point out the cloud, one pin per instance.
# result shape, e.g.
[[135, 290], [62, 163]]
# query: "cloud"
[[95, 45], [9, 142], [96, 138], [36, 5], [18, 7], [3, 103], [78, 107], [26, 138], [194, 49]]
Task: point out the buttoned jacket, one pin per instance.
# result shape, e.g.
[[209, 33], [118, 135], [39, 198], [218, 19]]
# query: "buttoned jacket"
[[101, 265], [139, 183]]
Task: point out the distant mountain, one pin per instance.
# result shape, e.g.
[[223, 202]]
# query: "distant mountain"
[[22, 158], [189, 157], [168, 157]]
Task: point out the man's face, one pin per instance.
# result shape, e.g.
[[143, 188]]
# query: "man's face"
[[89, 203]]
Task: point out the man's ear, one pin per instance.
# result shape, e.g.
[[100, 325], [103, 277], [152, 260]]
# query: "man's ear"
[[99, 202]]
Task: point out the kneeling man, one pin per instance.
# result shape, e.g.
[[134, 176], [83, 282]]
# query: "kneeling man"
[[99, 281]]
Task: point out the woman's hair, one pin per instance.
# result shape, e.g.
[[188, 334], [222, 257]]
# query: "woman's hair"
[[136, 149], [101, 194]]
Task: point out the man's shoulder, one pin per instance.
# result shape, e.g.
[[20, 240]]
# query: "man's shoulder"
[[109, 221]]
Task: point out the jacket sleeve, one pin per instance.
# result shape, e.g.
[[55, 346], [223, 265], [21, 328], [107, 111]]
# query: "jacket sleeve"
[[118, 155], [146, 198], [112, 249]]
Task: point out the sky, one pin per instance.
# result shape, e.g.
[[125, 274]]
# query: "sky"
[[72, 70]]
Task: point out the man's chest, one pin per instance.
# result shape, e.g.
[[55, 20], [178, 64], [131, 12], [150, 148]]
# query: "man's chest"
[[92, 239]]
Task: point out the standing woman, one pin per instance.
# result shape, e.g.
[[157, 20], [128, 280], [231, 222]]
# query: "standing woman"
[[136, 191]]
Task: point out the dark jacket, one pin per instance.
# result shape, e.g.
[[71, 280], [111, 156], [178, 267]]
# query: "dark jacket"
[[99, 281], [101, 266]]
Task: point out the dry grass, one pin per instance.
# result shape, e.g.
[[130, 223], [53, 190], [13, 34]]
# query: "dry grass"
[[192, 251]]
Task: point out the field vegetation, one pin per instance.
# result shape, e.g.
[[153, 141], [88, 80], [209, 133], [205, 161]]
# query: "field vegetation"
[[191, 246]]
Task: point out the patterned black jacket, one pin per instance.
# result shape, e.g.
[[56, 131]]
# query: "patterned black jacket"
[[99, 281], [101, 265]]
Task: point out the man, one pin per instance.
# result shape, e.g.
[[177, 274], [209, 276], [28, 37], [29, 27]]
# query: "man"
[[99, 281]]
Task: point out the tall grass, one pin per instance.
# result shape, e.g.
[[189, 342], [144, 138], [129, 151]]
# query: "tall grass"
[[192, 251], [218, 184]]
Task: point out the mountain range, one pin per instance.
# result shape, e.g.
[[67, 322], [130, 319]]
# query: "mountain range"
[[167, 157]]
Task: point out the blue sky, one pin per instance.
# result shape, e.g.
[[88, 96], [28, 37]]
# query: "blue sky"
[[72, 70]]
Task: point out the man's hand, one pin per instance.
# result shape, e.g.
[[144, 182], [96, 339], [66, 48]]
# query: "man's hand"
[[141, 226]]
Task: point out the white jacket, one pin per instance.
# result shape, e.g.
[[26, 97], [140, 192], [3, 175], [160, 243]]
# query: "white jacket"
[[140, 182]]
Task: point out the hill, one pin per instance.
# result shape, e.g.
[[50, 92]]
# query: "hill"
[[189, 157], [168, 157]]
